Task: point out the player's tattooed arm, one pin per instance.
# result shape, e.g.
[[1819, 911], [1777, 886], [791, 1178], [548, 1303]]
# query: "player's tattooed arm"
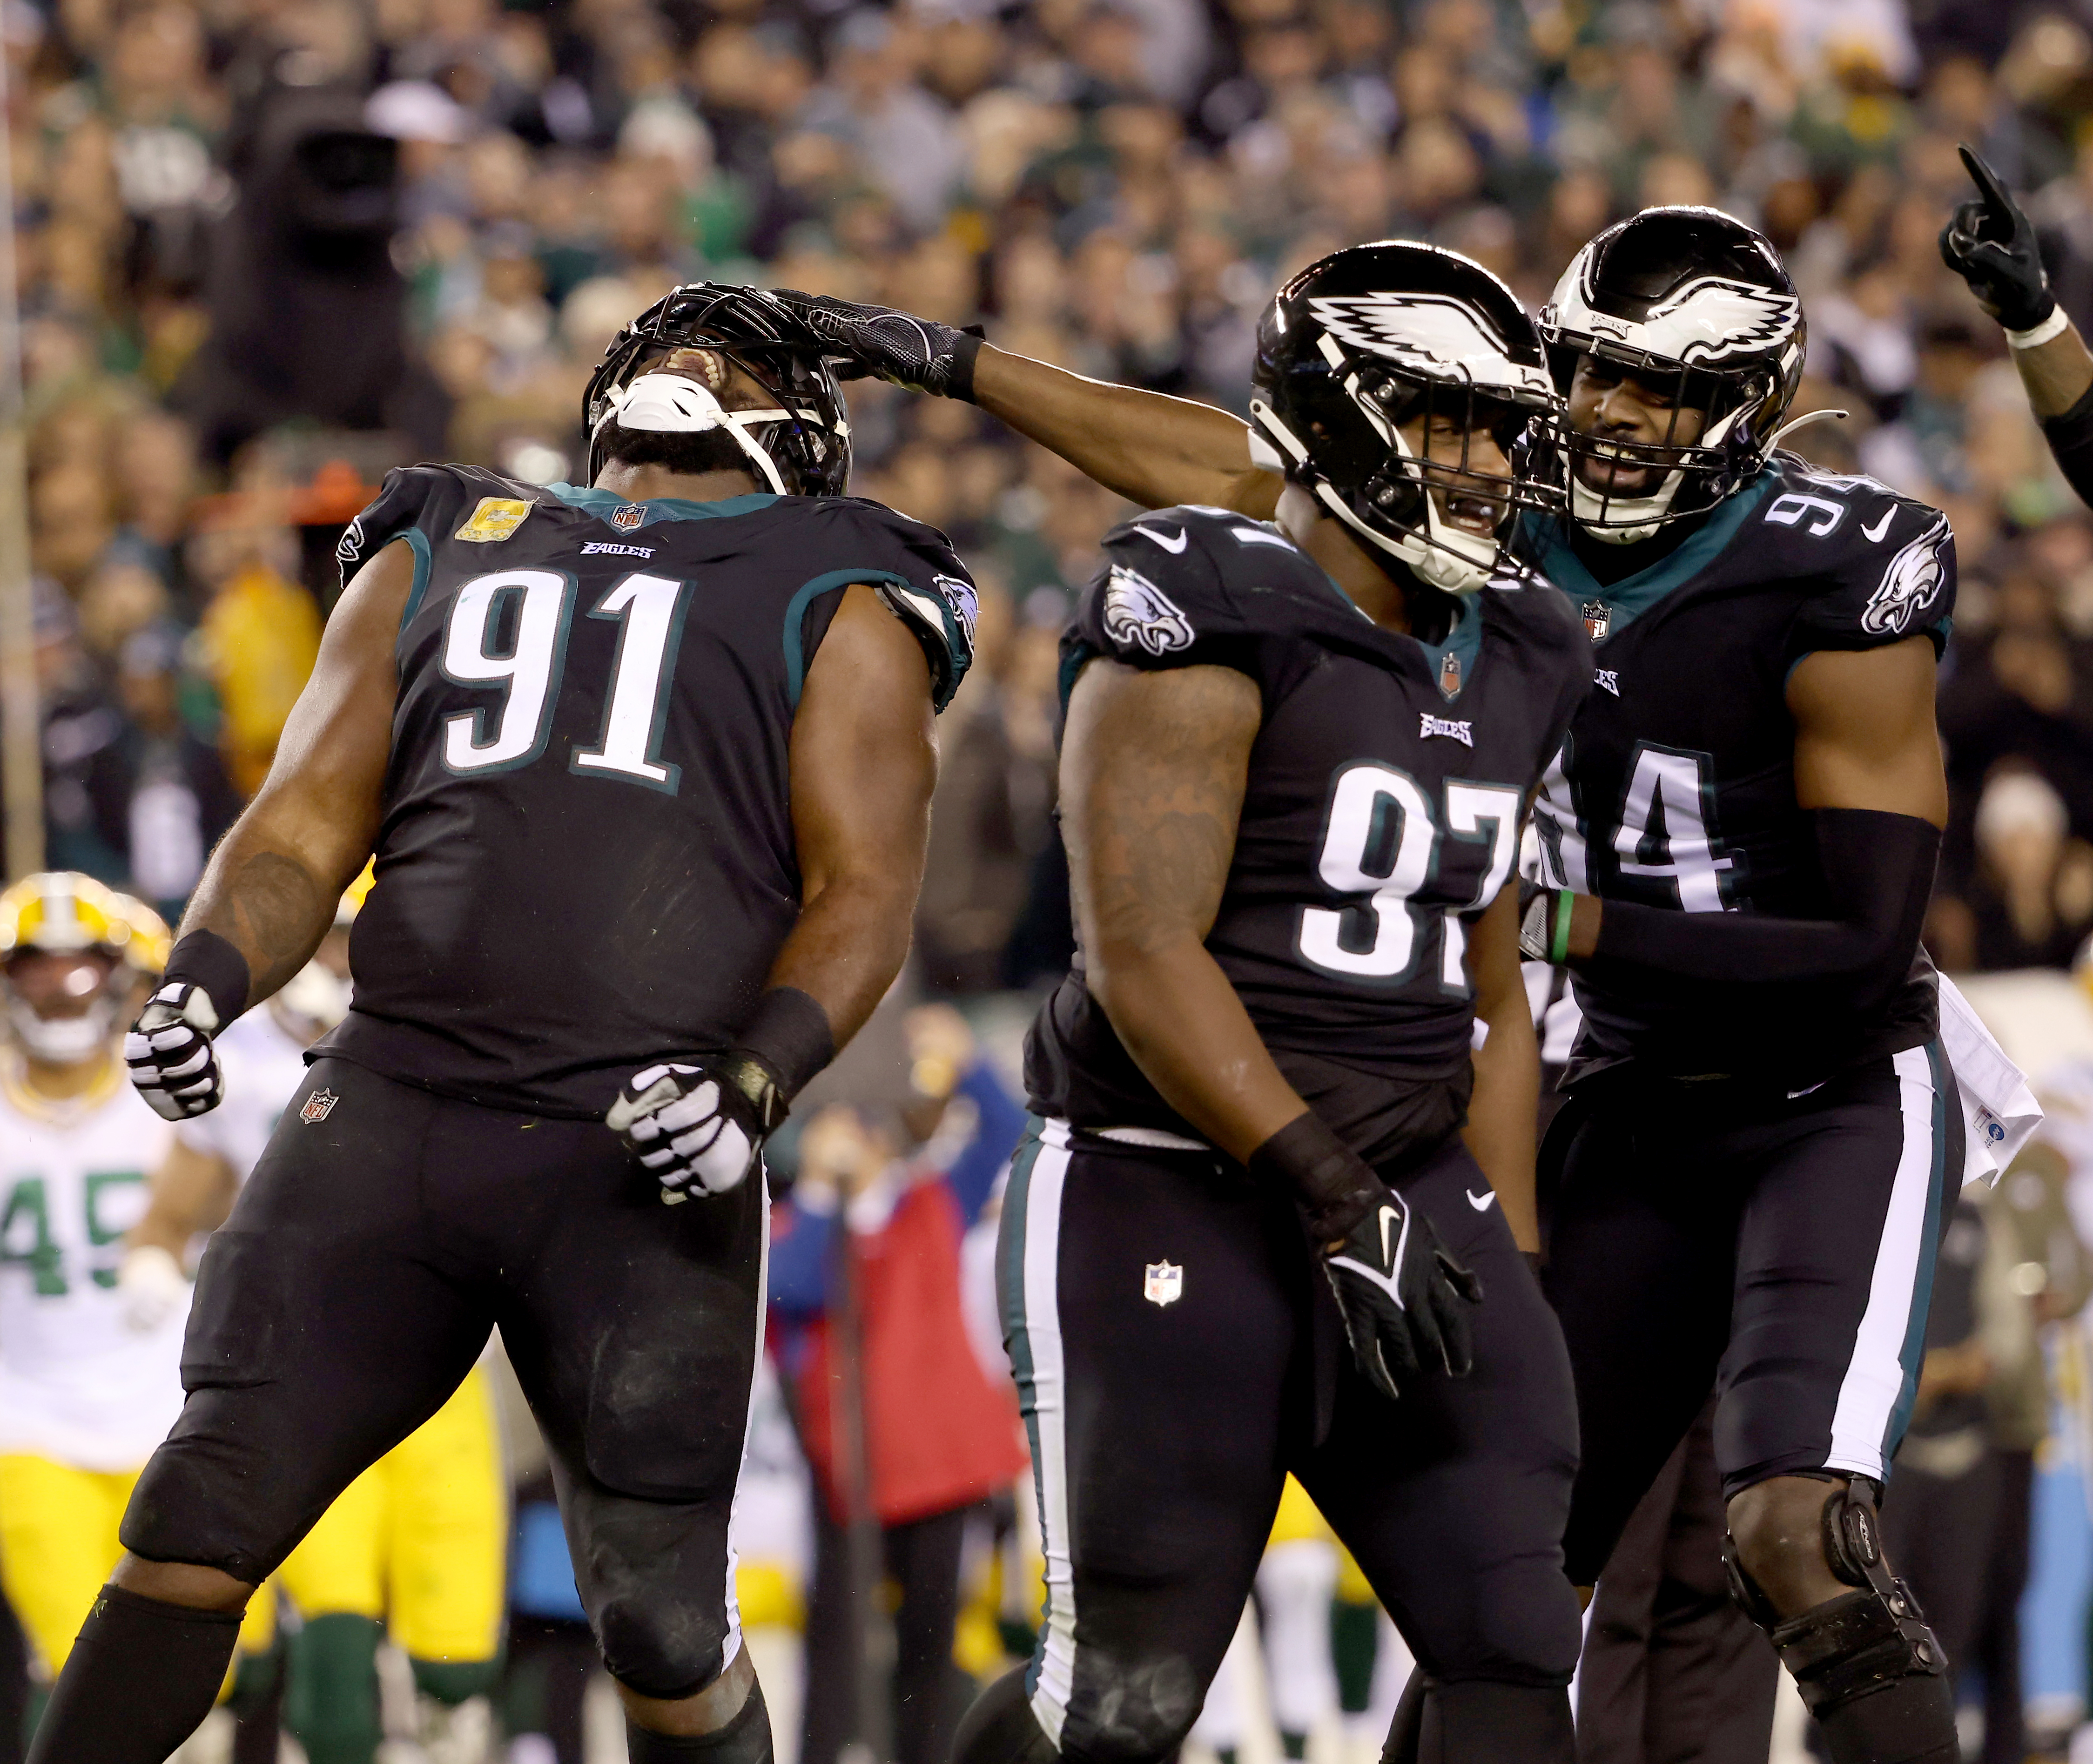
[[1153, 770], [1153, 450], [1500, 1133], [272, 885], [864, 761]]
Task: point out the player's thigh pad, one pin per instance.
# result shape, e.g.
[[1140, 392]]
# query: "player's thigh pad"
[[1153, 1305], [1835, 1255], [334, 1311], [446, 1529], [58, 1544], [1454, 1498], [633, 1329]]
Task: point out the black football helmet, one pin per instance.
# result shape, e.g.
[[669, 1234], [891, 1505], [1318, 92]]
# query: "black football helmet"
[[1368, 340], [801, 446], [1691, 296]]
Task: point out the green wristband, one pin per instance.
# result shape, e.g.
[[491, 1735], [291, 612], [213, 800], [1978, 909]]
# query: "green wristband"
[[1559, 940]]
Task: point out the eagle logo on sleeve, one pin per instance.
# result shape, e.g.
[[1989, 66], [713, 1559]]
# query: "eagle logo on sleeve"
[[1137, 613], [1910, 584]]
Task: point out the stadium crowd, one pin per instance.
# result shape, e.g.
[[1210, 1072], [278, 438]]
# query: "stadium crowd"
[[267, 249]]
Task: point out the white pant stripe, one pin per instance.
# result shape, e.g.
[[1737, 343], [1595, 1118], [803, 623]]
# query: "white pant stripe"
[[748, 1423], [1042, 1328], [1874, 1385]]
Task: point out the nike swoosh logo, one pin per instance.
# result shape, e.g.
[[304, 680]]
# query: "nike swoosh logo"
[[1388, 1216], [1807, 1089], [1871, 534], [1148, 532], [1481, 1203]]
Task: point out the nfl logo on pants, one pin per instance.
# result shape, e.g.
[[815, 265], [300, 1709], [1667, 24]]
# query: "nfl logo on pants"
[[1165, 1284]]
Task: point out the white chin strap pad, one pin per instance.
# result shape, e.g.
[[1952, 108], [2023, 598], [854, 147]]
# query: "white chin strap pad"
[[674, 403]]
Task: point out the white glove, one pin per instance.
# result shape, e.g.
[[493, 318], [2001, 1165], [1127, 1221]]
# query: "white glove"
[[153, 1287], [698, 1133], [169, 1052]]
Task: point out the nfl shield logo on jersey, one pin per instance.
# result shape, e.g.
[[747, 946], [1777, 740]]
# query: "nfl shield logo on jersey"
[[1598, 620], [318, 1106], [1165, 1284], [627, 517]]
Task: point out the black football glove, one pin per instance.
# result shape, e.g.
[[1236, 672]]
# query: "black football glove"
[[1991, 244], [1405, 1300], [919, 353], [698, 1129], [173, 1064]]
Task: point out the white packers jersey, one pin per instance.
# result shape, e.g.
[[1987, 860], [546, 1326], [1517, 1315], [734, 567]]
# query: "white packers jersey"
[[264, 1067], [78, 1383]]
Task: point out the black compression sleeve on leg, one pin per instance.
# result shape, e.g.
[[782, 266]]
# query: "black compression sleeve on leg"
[[745, 1739], [139, 1682]]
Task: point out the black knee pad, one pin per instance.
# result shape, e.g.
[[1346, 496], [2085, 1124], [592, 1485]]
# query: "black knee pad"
[[1134, 1710], [1867, 1665], [745, 1739], [661, 1645], [1000, 1728]]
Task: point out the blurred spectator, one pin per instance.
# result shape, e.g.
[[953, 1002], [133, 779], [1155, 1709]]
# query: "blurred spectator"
[[939, 1428], [260, 632], [2047, 1268], [1941, 1508]]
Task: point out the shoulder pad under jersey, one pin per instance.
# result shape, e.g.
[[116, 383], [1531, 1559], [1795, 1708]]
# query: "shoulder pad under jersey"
[[1881, 565], [427, 504], [914, 569]]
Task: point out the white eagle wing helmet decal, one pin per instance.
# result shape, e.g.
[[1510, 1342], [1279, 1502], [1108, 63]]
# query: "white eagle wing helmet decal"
[[1137, 614], [1908, 586], [1703, 323], [1428, 334]]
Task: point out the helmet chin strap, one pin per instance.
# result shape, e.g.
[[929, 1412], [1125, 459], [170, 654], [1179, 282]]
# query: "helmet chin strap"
[[674, 403], [1450, 560]]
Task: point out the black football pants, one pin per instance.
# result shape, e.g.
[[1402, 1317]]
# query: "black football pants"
[[1778, 1249], [380, 1237], [1178, 1353]]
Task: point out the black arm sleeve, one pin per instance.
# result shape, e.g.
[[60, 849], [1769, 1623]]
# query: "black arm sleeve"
[[2070, 438], [1878, 874]]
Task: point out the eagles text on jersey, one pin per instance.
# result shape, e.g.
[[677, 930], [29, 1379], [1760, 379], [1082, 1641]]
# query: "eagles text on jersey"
[[1381, 815]]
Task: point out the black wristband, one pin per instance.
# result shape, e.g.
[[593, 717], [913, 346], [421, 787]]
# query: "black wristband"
[[203, 958], [1334, 1186], [788, 1035], [960, 381]]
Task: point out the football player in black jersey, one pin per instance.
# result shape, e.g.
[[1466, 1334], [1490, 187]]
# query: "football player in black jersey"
[[1246, 1235], [1764, 1129], [646, 767]]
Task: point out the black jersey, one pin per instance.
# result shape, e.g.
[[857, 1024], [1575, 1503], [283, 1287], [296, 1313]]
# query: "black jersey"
[[587, 858], [1380, 816], [1677, 786]]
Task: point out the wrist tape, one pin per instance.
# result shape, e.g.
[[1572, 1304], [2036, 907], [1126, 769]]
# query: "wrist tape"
[[2036, 335], [205, 959], [1333, 1185]]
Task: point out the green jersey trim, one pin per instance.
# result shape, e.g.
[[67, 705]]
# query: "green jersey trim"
[[601, 503], [1635, 594]]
